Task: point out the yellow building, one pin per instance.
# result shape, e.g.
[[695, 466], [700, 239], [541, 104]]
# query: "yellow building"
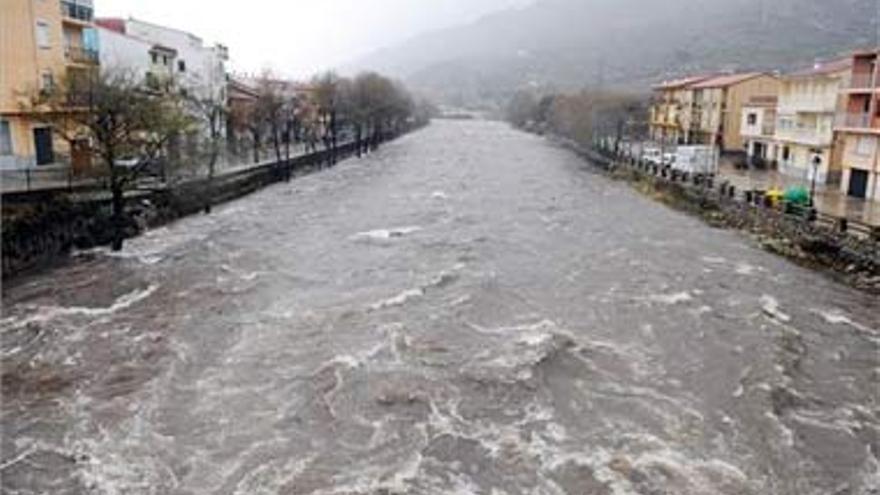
[[718, 107], [858, 128], [41, 41], [670, 115], [804, 138]]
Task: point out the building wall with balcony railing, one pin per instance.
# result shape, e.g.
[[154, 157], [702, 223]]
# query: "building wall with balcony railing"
[[81, 55], [814, 94], [810, 137], [865, 81], [817, 102], [853, 120], [78, 10]]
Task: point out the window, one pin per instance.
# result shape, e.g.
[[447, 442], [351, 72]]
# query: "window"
[[47, 81], [165, 60], [752, 119], [786, 154], [865, 145], [5, 138], [43, 39], [155, 58], [181, 66]]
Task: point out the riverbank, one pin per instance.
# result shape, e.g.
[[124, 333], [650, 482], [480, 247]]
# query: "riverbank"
[[825, 244], [40, 229]]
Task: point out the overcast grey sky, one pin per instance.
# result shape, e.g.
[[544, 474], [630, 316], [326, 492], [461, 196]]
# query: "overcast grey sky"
[[301, 37]]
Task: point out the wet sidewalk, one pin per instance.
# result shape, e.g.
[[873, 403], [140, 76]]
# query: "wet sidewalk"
[[829, 199]]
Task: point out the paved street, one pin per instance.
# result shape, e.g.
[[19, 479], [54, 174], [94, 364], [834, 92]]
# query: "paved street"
[[829, 199]]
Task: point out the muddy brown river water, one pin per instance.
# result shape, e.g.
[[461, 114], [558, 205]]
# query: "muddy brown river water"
[[470, 310]]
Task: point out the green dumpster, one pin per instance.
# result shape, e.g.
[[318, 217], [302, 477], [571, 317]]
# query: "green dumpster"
[[797, 195]]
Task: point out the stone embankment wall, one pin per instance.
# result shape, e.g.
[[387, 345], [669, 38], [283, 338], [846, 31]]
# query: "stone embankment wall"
[[41, 228], [850, 254]]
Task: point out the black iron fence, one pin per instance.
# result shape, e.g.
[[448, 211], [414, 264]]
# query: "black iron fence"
[[46, 179], [718, 188]]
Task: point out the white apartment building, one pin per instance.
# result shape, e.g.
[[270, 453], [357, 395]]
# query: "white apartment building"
[[804, 139], [167, 53]]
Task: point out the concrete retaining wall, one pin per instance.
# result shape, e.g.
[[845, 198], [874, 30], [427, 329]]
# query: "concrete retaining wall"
[[41, 228]]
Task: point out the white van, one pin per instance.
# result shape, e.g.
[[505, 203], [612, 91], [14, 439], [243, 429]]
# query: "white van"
[[653, 156], [696, 159]]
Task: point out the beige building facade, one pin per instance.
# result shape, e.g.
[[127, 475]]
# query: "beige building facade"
[[670, 116], [717, 107], [41, 42], [804, 140]]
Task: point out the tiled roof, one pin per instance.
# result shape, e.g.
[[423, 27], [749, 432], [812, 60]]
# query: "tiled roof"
[[680, 83], [726, 80], [824, 68]]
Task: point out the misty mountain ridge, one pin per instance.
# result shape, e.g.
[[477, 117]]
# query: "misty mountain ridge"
[[567, 44]]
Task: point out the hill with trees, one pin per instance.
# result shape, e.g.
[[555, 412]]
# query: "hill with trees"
[[567, 44]]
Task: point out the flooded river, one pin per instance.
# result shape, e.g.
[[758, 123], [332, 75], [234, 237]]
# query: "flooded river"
[[470, 310]]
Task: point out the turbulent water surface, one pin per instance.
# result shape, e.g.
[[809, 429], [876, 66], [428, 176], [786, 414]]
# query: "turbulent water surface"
[[468, 311]]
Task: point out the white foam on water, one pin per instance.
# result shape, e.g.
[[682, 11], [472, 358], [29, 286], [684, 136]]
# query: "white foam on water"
[[770, 307], [694, 475], [461, 300], [702, 310], [386, 234], [545, 325], [147, 258], [439, 195], [398, 300], [747, 269], [785, 433], [672, 299], [269, 479], [42, 314], [837, 317]]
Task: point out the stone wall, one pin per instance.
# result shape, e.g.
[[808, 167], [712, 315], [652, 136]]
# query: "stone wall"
[[796, 233], [41, 229]]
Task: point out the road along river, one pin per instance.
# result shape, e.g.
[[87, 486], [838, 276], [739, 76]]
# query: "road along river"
[[470, 310]]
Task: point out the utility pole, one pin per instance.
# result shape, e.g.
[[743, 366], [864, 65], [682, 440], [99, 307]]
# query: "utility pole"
[[817, 162]]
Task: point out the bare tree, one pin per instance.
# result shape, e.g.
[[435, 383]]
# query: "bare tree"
[[128, 126], [212, 111], [581, 116], [327, 97]]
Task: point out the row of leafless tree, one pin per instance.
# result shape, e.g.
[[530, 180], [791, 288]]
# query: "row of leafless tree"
[[128, 128], [584, 116]]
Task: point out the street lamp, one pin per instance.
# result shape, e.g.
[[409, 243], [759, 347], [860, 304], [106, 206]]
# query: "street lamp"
[[817, 162]]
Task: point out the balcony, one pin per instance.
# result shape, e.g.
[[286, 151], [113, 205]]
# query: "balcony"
[[858, 121], [808, 105], [862, 82], [807, 136], [80, 55], [77, 11]]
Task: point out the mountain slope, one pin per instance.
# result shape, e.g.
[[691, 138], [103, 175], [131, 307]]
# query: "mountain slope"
[[571, 43]]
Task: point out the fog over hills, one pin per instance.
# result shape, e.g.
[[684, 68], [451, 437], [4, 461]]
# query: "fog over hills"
[[573, 43]]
